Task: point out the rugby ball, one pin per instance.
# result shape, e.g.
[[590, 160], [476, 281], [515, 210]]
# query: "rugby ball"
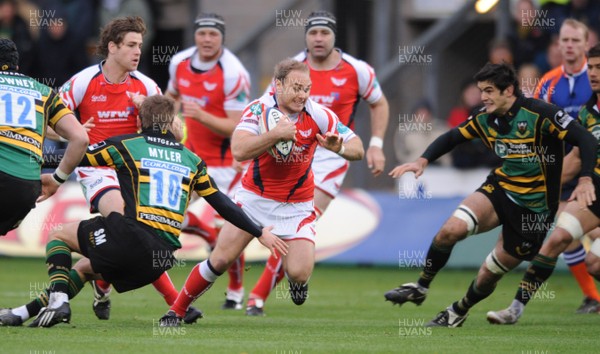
[[268, 120]]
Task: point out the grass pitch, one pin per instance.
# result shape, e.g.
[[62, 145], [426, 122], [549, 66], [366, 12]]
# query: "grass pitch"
[[345, 313]]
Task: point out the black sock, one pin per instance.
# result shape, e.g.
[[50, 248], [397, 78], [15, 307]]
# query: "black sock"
[[473, 296], [75, 285], [436, 259], [58, 261], [539, 271]]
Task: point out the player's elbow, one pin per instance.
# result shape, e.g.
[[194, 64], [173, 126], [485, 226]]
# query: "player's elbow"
[[238, 151], [355, 149]]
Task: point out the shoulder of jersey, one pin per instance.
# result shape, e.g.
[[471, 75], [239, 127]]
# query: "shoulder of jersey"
[[232, 63], [551, 75], [86, 75], [300, 56], [357, 64], [541, 107], [181, 56], [151, 86], [318, 111]]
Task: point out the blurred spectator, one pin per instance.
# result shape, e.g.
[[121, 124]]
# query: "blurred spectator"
[[17, 29], [527, 37], [557, 10], [500, 52], [416, 131], [470, 98], [473, 153], [586, 11], [67, 27], [110, 9], [592, 37], [173, 17], [529, 78], [551, 59]]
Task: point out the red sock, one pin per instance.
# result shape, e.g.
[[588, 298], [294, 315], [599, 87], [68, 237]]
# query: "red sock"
[[104, 285], [272, 275], [236, 274], [585, 280], [201, 228], [165, 287], [195, 285]]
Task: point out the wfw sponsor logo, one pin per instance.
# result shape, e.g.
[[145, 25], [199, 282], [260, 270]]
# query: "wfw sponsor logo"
[[112, 114], [99, 98], [325, 100]]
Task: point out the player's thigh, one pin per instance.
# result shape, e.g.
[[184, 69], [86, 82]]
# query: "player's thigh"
[[111, 201], [474, 215], [68, 234], [322, 200], [484, 211], [300, 260], [230, 244]]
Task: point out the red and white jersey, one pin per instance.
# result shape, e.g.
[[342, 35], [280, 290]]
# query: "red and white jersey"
[[90, 95], [220, 86], [289, 179], [340, 88]]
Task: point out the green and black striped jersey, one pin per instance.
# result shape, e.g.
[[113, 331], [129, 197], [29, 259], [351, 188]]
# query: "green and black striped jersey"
[[529, 141], [157, 176], [589, 116], [26, 108]]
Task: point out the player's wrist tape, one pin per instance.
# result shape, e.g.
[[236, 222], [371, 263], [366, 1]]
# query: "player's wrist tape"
[[342, 150], [376, 141], [59, 176]]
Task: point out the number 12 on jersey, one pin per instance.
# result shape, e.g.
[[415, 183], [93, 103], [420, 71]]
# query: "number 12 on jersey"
[[17, 110]]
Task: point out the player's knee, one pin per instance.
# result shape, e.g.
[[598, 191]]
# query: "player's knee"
[[559, 241], [453, 231], [220, 262], [468, 219], [493, 264], [572, 227], [298, 275]]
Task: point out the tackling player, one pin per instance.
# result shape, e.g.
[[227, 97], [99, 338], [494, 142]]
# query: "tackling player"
[[110, 94], [133, 248]]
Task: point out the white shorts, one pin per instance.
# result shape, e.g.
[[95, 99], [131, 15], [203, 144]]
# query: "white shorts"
[[330, 170], [95, 182], [291, 221], [226, 178]]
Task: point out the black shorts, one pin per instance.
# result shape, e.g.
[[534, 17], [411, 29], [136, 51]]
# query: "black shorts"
[[523, 230], [125, 252], [567, 189], [18, 198]]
